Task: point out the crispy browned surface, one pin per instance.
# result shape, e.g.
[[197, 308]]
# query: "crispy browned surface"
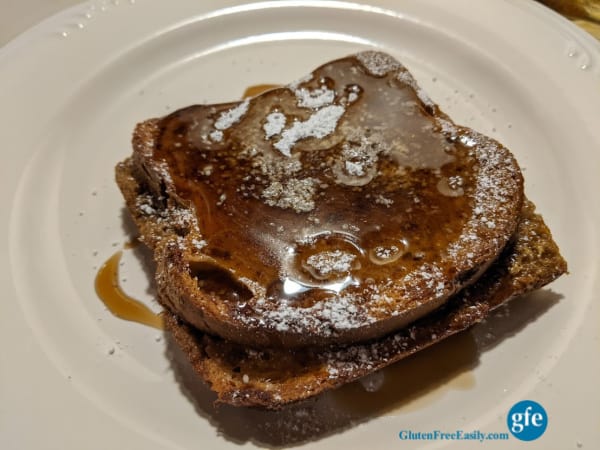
[[271, 378], [168, 224]]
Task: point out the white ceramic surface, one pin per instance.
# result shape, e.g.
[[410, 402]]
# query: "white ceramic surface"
[[71, 90]]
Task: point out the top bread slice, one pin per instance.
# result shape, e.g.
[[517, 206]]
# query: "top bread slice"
[[334, 210]]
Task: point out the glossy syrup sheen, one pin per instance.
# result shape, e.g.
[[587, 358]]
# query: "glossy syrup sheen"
[[389, 190]]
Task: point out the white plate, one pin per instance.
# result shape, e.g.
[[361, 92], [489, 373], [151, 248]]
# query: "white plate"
[[71, 90]]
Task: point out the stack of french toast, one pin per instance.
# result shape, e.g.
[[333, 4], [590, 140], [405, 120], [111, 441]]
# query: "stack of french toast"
[[318, 232]]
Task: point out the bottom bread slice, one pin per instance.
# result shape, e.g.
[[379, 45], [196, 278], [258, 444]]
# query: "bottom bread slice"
[[272, 378]]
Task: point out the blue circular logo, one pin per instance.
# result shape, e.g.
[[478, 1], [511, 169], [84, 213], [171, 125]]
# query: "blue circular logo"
[[527, 420]]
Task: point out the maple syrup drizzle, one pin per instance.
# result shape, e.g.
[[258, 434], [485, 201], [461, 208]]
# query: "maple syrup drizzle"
[[289, 210], [117, 301], [256, 89]]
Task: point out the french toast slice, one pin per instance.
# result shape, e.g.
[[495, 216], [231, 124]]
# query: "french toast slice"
[[272, 378], [332, 211]]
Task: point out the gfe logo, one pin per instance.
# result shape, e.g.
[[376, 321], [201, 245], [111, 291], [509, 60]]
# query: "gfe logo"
[[527, 420]]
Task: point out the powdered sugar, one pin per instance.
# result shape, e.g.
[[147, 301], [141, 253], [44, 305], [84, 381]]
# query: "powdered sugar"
[[426, 281], [314, 98], [494, 195], [325, 317], [216, 135], [144, 204], [296, 194], [320, 124], [228, 118], [382, 200], [199, 243], [354, 168], [326, 263], [274, 124], [386, 253], [357, 164], [405, 77], [378, 63]]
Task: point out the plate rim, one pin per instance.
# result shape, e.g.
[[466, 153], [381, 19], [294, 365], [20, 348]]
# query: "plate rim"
[[23, 40]]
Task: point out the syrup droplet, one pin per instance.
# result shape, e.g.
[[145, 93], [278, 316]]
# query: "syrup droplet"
[[326, 258], [356, 165], [451, 187], [292, 287], [328, 264], [388, 252], [324, 261]]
